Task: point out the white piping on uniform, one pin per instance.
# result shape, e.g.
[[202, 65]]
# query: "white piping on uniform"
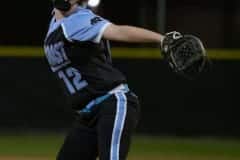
[[120, 88], [100, 34], [65, 33], [119, 122]]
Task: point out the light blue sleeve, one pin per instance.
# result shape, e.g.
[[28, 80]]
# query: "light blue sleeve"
[[84, 26]]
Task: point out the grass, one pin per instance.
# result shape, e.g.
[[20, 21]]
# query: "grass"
[[187, 146], [143, 147], [30, 145]]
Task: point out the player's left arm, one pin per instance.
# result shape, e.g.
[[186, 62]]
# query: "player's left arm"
[[131, 34]]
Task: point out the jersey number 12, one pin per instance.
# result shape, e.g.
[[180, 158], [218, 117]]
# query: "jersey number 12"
[[72, 79]]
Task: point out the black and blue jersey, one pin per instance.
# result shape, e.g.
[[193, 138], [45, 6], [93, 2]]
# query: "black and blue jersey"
[[79, 58]]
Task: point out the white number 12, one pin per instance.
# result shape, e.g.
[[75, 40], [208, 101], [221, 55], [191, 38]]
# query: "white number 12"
[[72, 79]]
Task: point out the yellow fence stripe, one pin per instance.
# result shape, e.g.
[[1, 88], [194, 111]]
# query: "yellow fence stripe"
[[140, 53]]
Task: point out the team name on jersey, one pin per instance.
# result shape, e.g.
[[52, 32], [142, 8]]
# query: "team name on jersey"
[[56, 56]]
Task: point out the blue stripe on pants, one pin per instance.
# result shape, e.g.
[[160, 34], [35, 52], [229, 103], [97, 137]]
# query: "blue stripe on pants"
[[121, 112]]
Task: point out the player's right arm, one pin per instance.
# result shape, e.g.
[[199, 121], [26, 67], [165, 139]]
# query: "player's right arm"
[[131, 34]]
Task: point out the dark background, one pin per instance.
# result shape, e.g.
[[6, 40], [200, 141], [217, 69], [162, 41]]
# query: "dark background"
[[217, 22], [171, 105]]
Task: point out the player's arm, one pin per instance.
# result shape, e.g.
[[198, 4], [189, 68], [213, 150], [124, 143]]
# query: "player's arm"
[[131, 34]]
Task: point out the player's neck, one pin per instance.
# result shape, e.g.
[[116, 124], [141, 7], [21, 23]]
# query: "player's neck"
[[60, 15]]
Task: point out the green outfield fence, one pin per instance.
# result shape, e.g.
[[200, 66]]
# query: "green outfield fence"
[[148, 53]]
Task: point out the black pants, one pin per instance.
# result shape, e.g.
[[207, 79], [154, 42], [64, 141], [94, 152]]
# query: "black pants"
[[107, 134]]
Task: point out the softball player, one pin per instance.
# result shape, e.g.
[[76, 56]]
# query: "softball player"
[[78, 53]]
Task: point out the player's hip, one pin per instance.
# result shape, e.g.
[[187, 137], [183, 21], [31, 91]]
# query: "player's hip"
[[119, 100]]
